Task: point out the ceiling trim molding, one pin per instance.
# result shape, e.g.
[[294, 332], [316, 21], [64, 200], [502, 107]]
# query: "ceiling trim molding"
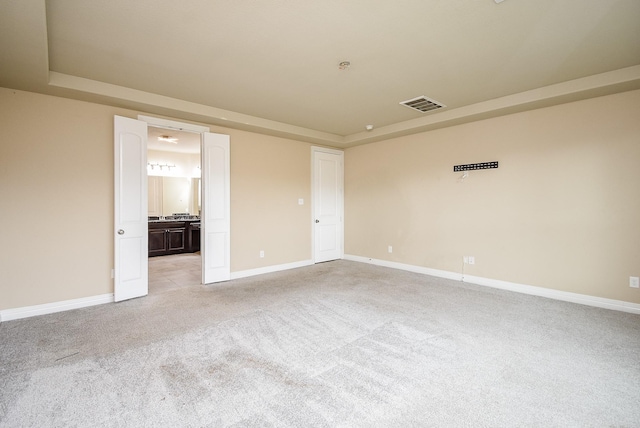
[[213, 115], [574, 90]]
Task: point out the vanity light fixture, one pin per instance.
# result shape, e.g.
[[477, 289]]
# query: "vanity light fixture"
[[160, 165]]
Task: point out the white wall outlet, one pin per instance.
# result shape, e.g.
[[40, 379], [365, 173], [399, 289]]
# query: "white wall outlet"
[[634, 282], [472, 260], [390, 249], [262, 254], [300, 201]]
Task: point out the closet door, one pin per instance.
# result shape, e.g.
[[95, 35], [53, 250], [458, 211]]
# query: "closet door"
[[328, 203]]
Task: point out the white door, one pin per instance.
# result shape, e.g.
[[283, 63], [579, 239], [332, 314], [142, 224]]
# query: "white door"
[[215, 218], [328, 226], [131, 277]]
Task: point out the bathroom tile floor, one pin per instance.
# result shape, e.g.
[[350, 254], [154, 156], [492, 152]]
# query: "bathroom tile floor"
[[174, 271]]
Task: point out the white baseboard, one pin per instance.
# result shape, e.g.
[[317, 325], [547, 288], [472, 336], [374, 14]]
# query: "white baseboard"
[[50, 308], [402, 266], [269, 269], [66, 305], [583, 299]]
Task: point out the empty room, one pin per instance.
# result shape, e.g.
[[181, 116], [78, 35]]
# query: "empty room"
[[294, 214]]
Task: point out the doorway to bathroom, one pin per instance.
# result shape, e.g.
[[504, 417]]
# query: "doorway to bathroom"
[[131, 231], [174, 208]]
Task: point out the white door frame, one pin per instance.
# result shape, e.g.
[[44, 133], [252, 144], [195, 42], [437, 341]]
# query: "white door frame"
[[172, 124], [340, 191]]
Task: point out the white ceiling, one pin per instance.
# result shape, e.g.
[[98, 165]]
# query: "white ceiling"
[[186, 142], [272, 66]]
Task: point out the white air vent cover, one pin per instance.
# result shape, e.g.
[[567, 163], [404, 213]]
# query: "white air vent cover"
[[422, 104]]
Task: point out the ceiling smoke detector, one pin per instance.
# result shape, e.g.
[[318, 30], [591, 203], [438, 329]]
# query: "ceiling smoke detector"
[[344, 65], [422, 104]]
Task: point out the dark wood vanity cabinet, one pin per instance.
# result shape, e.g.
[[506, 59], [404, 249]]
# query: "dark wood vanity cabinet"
[[173, 237]]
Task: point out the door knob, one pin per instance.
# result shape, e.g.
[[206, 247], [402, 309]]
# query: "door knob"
[[317, 221], [120, 232]]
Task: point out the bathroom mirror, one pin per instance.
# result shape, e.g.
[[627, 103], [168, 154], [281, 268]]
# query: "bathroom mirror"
[[169, 195]]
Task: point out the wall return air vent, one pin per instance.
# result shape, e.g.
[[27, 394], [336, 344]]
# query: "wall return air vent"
[[422, 104]]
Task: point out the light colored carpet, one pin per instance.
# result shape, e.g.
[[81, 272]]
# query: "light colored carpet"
[[334, 344]]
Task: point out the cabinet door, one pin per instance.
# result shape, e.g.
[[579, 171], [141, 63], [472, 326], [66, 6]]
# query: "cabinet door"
[[157, 242], [175, 239], [195, 238]]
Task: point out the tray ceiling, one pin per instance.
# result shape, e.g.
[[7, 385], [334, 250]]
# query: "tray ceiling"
[[273, 66]]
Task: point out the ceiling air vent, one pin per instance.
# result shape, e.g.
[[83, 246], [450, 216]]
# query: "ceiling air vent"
[[422, 104]]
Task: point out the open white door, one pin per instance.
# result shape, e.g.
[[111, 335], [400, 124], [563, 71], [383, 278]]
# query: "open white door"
[[215, 218], [131, 276], [328, 195]]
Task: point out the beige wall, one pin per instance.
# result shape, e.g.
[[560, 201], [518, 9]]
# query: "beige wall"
[[56, 188], [562, 211], [268, 176]]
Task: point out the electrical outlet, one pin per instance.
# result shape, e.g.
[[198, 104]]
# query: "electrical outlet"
[[390, 249], [634, 282], [262, 254], [472, 260]]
